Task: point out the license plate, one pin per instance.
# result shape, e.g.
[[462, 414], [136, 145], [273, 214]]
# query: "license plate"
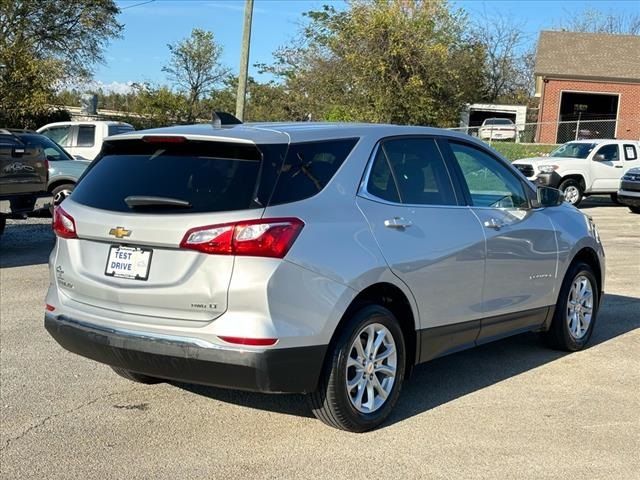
[[128, 262]]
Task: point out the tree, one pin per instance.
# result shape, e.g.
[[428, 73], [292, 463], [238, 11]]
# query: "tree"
[[43, 43], [508, 68], [194, 66], [398, 61], [597, 21]]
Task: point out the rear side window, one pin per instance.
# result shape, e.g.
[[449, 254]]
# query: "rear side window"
[[86, 135], [630, 152], [210, 176], [61, 135], [308, 168]]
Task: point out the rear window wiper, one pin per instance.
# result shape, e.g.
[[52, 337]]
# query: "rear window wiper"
[[135, 201]]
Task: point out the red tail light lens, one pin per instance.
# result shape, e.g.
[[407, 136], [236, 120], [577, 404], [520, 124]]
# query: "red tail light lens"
[[63, 224], [268, 237]]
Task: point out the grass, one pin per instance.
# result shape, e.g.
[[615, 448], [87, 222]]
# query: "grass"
[[514, 151]]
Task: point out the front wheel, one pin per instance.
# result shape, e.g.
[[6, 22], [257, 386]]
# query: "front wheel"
[[572, 191], [363, 373], [575, 314], [635, 209]]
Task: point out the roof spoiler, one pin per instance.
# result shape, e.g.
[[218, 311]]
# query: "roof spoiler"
[[218, 119]]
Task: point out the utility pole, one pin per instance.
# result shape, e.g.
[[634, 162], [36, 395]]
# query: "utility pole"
[[244, 60]]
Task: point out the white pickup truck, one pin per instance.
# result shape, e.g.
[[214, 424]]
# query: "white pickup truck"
[[583, 167], [83, 140]]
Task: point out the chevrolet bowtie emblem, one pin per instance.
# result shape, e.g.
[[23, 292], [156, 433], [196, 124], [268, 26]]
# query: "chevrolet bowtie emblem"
[[119, 232]]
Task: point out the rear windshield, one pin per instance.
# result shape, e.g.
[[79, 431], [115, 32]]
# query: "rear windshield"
[[208, 176], [117, 129], [498, 121]]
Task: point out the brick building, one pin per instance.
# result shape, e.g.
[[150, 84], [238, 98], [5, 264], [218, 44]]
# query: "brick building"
[[589, 86]]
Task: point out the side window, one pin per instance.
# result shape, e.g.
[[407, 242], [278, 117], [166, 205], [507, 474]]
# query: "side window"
[[416, 168], [381, 182], [60, 135], [610, 153], [86, 135], [308, 168], [630, 152], [490, 183]]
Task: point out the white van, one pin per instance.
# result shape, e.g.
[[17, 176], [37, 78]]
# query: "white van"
[[83, 140]]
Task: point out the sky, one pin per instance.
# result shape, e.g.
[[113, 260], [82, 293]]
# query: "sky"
[[150, 25]]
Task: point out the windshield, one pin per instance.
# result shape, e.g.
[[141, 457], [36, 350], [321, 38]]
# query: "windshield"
[[52, 150], [498, 121], [573, 150]]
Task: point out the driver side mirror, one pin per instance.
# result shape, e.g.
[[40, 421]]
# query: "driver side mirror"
[[599, 157], [549, 197]]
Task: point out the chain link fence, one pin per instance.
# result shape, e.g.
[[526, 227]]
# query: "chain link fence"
[[555, 132]]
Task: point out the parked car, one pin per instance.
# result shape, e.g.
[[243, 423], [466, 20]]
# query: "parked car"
[[23, 177], [83, 140], [497, 129], [64, 170], [325, 259], [629, 192], [583, 167]]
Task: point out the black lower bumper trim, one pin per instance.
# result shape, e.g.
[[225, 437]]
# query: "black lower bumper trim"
[[284, 370], [551, 179], [631, 201]]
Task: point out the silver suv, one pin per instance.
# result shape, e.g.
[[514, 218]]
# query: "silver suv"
[[316, 258]]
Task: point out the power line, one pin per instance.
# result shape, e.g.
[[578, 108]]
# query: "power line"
[[138, 4]]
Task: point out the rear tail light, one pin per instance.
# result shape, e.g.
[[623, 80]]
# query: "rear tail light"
[[63, 224], [268, 237]]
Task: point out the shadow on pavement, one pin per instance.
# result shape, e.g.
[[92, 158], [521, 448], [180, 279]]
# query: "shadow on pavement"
[[445, 379], [26, 243]]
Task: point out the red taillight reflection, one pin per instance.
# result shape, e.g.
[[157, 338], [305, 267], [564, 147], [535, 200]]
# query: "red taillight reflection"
[[64, 226], [49, 308], [256, 342], [268, 237], [163, 139]]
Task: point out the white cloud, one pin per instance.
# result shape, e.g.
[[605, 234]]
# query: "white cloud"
[[112, 87]]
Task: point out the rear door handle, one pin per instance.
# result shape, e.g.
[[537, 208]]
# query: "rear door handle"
[[618, 166], [493, 223], [398, 222]]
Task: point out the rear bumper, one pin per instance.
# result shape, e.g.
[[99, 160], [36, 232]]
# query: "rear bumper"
[[285, 370]]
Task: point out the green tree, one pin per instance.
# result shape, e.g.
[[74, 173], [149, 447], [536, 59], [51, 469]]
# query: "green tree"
[[398, 61], [44, 43], [195, 67]]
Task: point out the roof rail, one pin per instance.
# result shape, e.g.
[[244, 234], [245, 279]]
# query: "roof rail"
[[218, 119]]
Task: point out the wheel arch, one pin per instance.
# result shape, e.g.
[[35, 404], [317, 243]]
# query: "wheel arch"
[[589, 256], [60, 181], [398, 302], [575, 176]]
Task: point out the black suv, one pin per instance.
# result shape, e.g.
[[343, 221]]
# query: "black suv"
[[24, 173]]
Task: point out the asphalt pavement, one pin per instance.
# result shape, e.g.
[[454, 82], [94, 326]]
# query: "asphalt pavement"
[[512, 409]]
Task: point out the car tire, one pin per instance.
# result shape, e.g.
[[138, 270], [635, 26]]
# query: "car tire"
[[61, 192], [614, 199], [572, 191], [634, 209], [334, 403], [136, 377], [3, 223], [568, 331]]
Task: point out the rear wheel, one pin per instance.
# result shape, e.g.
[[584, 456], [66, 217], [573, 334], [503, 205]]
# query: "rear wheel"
[[572, 191], [576, 310], [136, 377], [363, 373], [635, 209]]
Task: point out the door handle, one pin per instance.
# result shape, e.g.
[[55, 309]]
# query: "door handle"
[[618, 166], [398, 222], [493, 223]]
